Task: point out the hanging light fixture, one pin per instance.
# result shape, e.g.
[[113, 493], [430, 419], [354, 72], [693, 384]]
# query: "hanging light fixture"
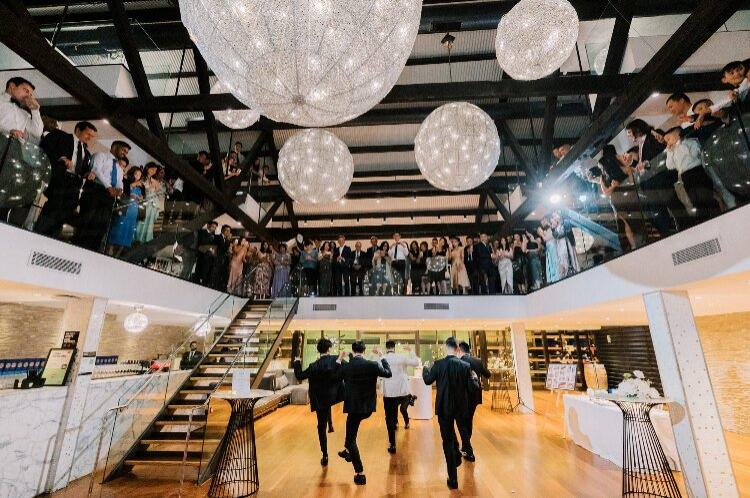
[[315, 167], [536, 37], [202, 326], [136, 322], [236, 119], [306, 62], [457, 147]]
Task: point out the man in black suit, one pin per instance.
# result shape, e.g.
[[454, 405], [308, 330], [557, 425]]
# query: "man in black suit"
[[326, 389], [221, 270], [475, 399], [206, 260], [371, 252], [359, 265], [191, 358], [341, 268], [360, 380], [483, 258], [471, 265], [70, 159], [455, 384]]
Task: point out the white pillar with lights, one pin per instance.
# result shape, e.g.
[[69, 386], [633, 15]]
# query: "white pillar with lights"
[[701, 446]]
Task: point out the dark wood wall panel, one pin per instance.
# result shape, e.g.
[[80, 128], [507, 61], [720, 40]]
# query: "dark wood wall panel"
[[628, 349]]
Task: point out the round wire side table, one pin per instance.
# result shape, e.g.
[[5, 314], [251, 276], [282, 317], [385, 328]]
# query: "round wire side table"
[[645, 468], [236, 475]]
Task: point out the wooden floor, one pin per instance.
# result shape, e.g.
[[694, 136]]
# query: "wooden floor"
[[517, 456]]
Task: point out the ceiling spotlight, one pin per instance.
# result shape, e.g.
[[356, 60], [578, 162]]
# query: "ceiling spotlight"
[[448, 40], [555, 198], [654, 95], [582, 198]]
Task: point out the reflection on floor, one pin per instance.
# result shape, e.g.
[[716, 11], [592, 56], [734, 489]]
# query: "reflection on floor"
[[517, 455]]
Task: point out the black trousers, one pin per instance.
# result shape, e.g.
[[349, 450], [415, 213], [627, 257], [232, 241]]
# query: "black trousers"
[[399, 267], [474, 281], [450, 444], [60, 207], [466, 428], [357, 278], [342, 286], [350, 441], [392, 407], [96, 212], [324, 418], [700, 190]]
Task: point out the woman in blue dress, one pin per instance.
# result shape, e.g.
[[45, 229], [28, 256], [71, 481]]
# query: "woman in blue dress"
[[125, 215], [552, 261]]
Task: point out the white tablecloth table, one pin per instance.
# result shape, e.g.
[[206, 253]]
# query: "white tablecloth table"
[[597, 426], [422, 409]]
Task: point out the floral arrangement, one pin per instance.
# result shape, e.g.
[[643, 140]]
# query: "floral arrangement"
[[636, 385]]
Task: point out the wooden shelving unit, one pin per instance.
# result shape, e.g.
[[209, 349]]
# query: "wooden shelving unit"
[[547, 347]]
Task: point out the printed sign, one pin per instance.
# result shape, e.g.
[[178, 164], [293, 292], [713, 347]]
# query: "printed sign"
[[561, 376], [58, 366]]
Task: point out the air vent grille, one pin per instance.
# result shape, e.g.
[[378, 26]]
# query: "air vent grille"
[[324, 307], [44, 260], [437, 306], [698, 251]]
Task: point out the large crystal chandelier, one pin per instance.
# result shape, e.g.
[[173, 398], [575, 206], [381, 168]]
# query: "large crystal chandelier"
[[457, 147], [535, 38], [236, 119], [136, 322], [315, 167], [307, 62]]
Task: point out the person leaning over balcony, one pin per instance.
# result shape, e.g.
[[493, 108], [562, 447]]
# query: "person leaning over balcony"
[[71, 160], [19, 111], [103, 186]]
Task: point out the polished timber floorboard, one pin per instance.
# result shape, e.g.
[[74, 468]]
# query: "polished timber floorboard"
[[517, 456]]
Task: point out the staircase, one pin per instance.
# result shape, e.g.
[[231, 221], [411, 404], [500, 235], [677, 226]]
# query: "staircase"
[[255, 332]]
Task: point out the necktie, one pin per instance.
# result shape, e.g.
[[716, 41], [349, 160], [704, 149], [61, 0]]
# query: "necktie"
[[79, 158], [113, 174]]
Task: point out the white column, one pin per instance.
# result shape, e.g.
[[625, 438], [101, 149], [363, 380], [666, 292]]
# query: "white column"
[[706, 466], [521, 362], [86, 316]]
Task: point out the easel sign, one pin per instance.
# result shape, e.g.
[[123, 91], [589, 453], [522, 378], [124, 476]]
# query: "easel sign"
[[561, 377]]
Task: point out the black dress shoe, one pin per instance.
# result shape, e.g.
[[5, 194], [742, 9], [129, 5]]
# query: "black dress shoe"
[[345, 455], [469, 456], [458, 460], [330, 428], [324, 460], [452, 484], [406, 426], [412, 400], [392, 449], [360, 479]]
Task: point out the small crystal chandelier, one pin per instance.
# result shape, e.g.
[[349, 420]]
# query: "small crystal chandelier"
[[315, 167], [236, 119], [536, 37], [202, 326], [136, 322]]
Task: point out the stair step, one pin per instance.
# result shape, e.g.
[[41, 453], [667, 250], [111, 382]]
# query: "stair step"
[[223, 355], [159, 438], [165, 458], [208, 375], [177, 405]]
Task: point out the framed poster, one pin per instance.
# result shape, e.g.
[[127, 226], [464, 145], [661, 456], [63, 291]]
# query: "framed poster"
[[561, 376], [58, 365], [70, 339]]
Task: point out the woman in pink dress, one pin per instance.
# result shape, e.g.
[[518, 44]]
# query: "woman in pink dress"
[[239, 251]]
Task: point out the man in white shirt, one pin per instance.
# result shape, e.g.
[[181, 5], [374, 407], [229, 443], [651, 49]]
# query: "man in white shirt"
[[684, 156], [19, 111], [399, 254], [102, 188], [396, 393]]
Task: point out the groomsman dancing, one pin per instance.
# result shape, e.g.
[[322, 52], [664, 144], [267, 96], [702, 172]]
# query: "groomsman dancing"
[[455, 384], [396, 393], [360, 381], [326, 389], [475, 399]]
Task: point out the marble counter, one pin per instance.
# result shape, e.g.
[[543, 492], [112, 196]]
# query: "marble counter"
[[29, 420]]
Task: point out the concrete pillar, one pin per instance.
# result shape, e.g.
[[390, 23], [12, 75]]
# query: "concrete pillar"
[[521, 362], [706, 466], [87, 316]]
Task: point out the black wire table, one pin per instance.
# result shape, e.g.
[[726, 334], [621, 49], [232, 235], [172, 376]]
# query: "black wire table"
[[236, 475], [645, 468]]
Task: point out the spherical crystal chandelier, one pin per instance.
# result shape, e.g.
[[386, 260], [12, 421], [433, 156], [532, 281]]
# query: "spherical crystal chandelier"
[[136, 322], [202, 326], [535, 38], [236, 119], [307, 62], [457, 147], [315, 167]]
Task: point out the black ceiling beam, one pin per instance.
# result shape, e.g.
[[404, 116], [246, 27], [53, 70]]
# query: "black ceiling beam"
[[34, 48], [509, 139], [468, 213], [616, 52], [502, 209], [289, 206], [501, 170], [705, 20], [548, 133], [270, 213], [212, 132], [481, 209], [408, 231], [135, 64]]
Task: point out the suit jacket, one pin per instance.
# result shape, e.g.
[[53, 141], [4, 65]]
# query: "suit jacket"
[[482, 256], [651, 148], [454, 386], [346, 253], [326, 388], [369, 255], [57, 144], [364, 262], [204, 240], [470, 264], [188, 363], [478, 368], [360, 382], [398, 384]]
